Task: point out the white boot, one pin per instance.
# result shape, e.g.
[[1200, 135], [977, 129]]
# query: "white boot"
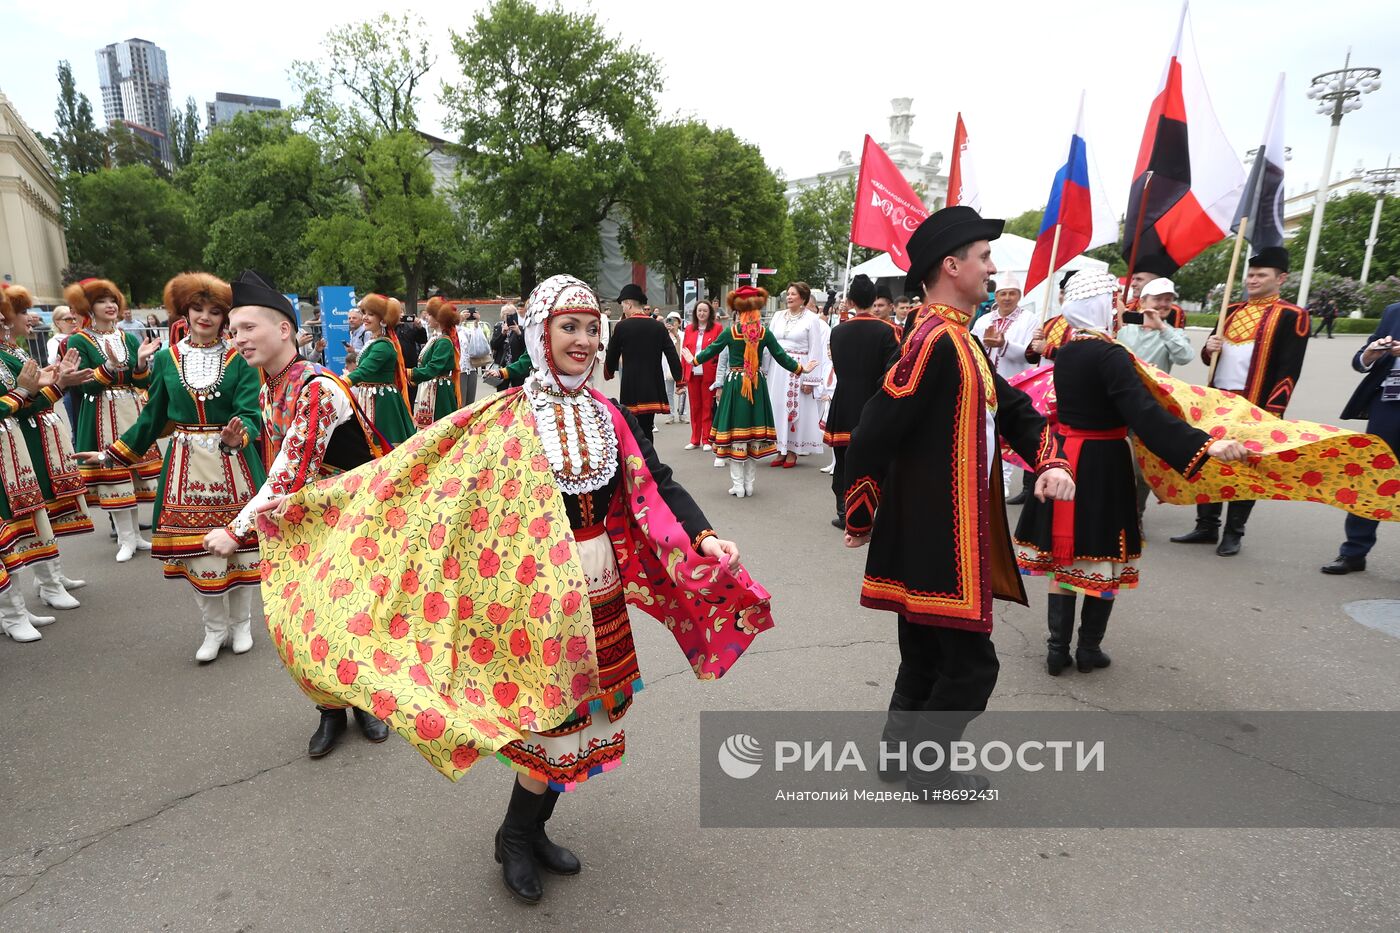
[[215, 615], [68, 583], [17, 599], [750, 471], [141, 543], [14, 620], [127, 534], [736, 478], [240, 615], [51, 589]]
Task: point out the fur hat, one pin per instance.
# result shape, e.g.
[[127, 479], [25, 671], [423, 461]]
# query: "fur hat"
[[17, 298], [387, 309], [435, 302], [6, 310], [191, 288], [446, 315], [747, 298], [81, 295]]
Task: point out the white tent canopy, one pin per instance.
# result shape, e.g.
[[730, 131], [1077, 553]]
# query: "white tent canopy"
[[1010, 253]]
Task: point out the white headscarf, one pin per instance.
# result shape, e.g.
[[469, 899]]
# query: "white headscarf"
[[558, 294], [1088, 301]]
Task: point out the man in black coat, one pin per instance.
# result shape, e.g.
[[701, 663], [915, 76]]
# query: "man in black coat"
[[1377, 399], [639, 343], [862, 349], [508, 344]]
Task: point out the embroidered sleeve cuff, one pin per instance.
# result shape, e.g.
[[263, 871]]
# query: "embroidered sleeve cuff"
[[122, 454], [707, 533], [1053, 463], [104, 375], [862, 501], [53, 394], [1196, 462]]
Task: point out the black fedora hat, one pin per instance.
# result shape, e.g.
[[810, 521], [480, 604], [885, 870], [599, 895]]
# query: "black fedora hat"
[[632, 292], [942, 233], [1156, 264]]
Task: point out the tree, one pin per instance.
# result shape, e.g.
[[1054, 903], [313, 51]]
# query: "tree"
[[255, 186], [1195, 280], [361, 105], [705, 200], [1341, 246], [184, 134], [78, 146], [125, 148], [1026, 223], [545, 107], [821, 224], [135, 226]]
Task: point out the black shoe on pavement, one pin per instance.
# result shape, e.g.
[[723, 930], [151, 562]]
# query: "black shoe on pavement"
[[372, 727], [1201, 534], [839, 522], [515, 845], [328, 733], [943, 786], [1344, 565], [1229, 544], [1018, 499]]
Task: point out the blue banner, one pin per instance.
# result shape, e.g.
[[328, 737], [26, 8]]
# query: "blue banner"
[[336, 302]]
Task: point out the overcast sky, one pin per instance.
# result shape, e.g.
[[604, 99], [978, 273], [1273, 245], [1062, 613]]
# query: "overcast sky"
[[805, 84]]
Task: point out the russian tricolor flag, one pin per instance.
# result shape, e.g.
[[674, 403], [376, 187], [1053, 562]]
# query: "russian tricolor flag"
[[1076, 208]]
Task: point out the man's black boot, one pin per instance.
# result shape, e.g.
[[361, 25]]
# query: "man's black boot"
[[372, 727], [1093, 623], [1060, 611], [551, 856]]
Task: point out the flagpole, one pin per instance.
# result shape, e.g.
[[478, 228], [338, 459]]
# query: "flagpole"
[[1225, 298], [1050, 277], [1137, 232], [846, 279]]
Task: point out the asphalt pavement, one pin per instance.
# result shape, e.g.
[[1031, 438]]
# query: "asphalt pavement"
[[142, 791]]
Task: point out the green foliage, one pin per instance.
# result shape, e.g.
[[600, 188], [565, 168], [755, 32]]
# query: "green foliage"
[[545, 108], [1026, 223], [1341, 246], [133, 225], [255, 186], [184, 134], [78, 146], [821, 225], [1196, 280], [707, 198]]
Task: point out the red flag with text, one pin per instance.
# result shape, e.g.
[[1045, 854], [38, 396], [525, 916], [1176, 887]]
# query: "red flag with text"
[[887, 210]]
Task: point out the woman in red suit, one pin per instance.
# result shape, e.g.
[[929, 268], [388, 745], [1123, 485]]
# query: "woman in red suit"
[[702, 329]]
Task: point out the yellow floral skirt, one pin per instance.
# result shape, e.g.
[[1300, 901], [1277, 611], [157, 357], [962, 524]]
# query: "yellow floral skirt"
[[593, 741]]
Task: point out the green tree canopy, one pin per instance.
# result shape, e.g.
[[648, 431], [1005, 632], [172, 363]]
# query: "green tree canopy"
[[821, 223], [78, 146], [255, 186], [1346, 224], [706, 199], [545, 107], [135, 226]]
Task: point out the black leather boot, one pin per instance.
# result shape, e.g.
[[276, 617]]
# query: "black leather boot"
[[1060, 610], [1344, 565], [1027, 487], [1093, 623], [942, 784], [372, 727], [328, 733], [551, 856], [1201, 534], [514, 845], [898, 728]]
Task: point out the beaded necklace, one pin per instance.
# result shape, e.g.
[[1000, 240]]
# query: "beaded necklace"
[[577, 436], [201, 367], [115, 350]]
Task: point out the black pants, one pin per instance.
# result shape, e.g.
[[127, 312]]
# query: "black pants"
[[948, 668], [838, 480], [1209, 515], [1326, 322], [648, 425]]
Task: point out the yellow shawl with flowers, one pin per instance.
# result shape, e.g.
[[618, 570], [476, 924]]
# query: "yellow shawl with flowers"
[[440, 587]]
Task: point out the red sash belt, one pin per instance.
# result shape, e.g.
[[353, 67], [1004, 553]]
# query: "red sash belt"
[[589, 532], [1062, 526]]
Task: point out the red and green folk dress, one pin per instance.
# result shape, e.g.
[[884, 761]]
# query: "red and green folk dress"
[[436, 378], [50, 442], [194, 391], [743, 422], [108, 407], [1091, 544], [25, 534], [380, 390]]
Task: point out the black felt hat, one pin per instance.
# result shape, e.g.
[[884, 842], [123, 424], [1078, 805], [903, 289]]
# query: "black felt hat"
[[1156, 264], [250, 288], [1270, 257], [632, 292], [861, 291], [942, 233]]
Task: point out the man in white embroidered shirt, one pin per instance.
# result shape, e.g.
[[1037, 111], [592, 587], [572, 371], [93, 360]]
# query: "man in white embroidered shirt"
[[1006, 333]]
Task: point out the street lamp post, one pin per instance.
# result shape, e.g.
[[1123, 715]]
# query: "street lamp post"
[[1380, 180], [1336, 92]]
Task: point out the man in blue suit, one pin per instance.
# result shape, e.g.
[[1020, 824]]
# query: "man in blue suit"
[[1377, 400]]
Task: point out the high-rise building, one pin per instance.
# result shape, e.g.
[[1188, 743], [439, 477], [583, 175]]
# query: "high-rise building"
[[224, 106], [136, 89]]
